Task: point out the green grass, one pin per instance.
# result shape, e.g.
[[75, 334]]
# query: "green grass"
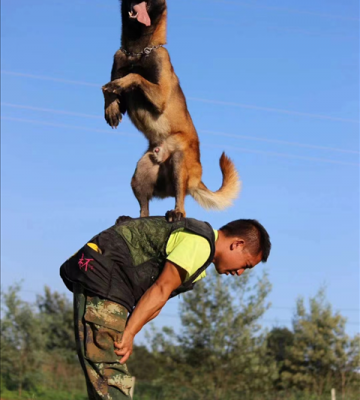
[[147, 391], [42, 394]]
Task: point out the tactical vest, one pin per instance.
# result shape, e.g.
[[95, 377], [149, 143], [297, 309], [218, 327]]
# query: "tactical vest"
[[133, 254]]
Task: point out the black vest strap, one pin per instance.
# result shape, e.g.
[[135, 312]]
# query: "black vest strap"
[[207, 232]]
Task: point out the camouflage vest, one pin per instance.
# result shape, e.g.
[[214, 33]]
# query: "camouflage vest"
[[133, 254]]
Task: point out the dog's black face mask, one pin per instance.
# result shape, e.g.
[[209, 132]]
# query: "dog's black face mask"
[[145, 11]]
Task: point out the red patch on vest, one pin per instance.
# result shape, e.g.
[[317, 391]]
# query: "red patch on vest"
[[85, 263]]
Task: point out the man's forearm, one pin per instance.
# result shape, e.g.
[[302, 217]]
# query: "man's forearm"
[[156, 313], [147, 308]]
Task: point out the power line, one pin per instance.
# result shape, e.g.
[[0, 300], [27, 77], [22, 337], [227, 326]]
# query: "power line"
[[288, 10], [51, 110], [271, 307], [277, 28], [286, 155], [269, 27], [168, 315], [282, 9], [253, 138], [49, 78], [209, 101], [283, 321], [276, 110], [311, 146], [338, 309], [65, 126]]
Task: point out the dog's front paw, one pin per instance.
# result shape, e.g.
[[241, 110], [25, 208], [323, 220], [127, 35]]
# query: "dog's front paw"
[[112, 87], [174, 215], [112, 113]]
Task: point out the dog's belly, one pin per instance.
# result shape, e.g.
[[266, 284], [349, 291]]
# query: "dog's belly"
[[154, 126]]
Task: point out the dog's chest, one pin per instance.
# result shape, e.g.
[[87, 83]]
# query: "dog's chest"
[[153, 125]]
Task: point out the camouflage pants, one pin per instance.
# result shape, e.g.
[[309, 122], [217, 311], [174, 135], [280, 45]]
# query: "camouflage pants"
[[98, 324]]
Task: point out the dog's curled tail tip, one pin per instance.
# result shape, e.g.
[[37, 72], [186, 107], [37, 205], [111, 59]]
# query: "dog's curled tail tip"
[[228, 192]]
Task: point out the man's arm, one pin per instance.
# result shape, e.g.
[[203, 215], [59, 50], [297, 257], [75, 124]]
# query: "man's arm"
[[153, 316], [149, 306]]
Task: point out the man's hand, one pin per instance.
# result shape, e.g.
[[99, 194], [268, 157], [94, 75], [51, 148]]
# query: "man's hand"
[[125, 346]]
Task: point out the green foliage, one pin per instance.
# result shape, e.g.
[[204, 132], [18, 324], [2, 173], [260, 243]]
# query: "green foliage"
[[43, 393], [321, 351], [279, 341], [220, 349], [37, 344], [143, 364], [56, 313], [21, 342]]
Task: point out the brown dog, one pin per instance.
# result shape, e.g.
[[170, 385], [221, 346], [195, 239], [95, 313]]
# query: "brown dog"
[[144, 84]]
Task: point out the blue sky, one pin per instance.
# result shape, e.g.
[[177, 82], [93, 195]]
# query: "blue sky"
[[274, 84]]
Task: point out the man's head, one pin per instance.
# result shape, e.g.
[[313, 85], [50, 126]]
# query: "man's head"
[[241, 245]]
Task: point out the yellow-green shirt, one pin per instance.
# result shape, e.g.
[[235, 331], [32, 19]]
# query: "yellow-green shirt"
[[188, 251]]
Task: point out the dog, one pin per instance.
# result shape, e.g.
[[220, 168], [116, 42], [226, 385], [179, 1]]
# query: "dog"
[[144, 84]]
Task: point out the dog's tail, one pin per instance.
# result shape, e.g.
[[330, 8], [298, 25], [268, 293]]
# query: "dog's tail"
[[228, 192]]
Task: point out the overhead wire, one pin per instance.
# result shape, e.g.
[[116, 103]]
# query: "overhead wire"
[[270, 27], [270, 109], [286, 155], [50, 110], [267, 27], [244, 137], [275, 320], [65, 126], [169, 315], [285, 9], [209, 101], [272, 8]]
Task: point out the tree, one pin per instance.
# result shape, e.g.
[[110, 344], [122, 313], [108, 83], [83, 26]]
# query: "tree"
[[347, 353], [60, 360], [21, 342], [142, 364], [279, 341], [220, 350], [56, 313], [320, 349]]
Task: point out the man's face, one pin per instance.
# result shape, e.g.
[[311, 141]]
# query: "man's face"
[[235, 259]]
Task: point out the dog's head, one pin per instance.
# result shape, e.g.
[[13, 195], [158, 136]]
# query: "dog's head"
[[143, 12]]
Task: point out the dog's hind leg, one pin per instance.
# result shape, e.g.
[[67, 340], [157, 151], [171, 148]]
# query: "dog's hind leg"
[[144, 180], [180, 182]]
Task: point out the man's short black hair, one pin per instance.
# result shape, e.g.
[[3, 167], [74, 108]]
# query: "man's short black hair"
[[255, 235]]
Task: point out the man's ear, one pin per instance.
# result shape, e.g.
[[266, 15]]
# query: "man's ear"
[[237, 243]]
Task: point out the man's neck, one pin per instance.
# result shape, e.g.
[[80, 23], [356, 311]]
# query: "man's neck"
[[219, 244]]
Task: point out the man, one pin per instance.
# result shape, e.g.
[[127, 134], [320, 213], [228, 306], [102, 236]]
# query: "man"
[[134, 267]]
